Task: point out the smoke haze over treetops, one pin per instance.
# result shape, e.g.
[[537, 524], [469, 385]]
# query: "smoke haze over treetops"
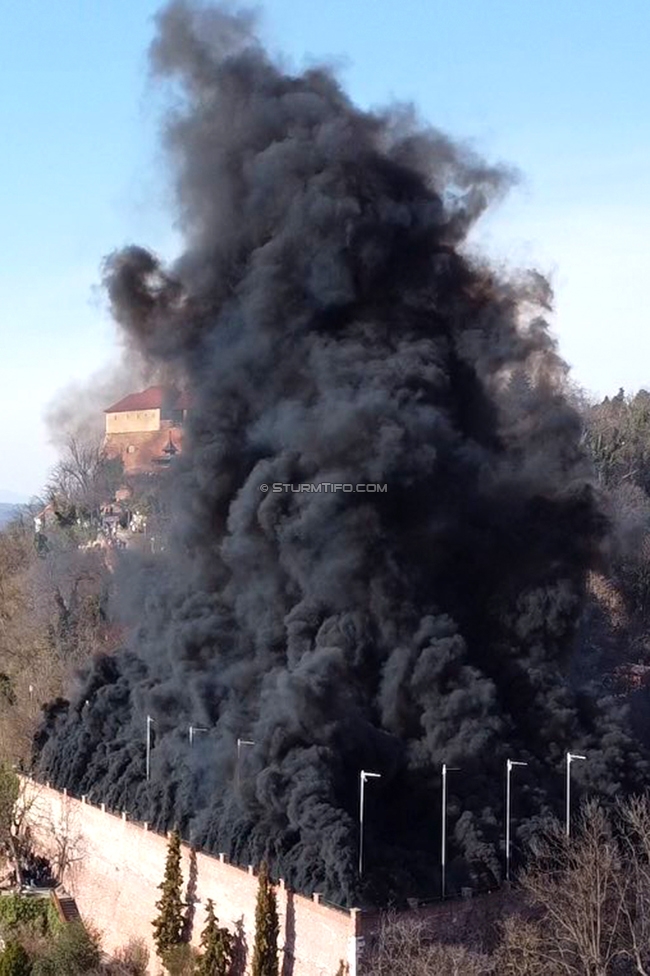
[[329, 329]]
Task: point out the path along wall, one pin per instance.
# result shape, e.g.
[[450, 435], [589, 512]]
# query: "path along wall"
[[113, 868]]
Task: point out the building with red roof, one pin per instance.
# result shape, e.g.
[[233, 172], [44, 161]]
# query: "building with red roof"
[[145, 429]]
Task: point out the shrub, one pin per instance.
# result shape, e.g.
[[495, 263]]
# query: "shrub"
[[54, 923], [34, 942], [19, 910], [180, 960], [131, 960], [14, 961], [44, 967], [75, 952]]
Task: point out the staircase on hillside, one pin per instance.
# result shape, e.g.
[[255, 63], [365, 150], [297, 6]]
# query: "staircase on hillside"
[[66, 906]]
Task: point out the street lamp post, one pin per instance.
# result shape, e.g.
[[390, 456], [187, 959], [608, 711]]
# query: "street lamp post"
[[363, 778], [240, 743], [443, 844], [149, 721], [192, 732], [570, 757], [509, 765]]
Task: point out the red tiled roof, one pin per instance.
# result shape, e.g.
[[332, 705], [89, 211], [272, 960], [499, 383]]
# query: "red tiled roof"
[[150, 399]]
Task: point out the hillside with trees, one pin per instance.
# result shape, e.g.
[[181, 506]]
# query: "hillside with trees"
[[615, 635], [57, 587], [58, 603]]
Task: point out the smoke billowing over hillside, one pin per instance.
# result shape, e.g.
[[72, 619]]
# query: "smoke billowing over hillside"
[[331, 330]]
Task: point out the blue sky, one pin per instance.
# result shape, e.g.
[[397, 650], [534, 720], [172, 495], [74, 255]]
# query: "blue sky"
[[557, 88]]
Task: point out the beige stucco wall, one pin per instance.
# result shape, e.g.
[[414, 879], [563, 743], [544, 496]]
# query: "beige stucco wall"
[[129, 421]]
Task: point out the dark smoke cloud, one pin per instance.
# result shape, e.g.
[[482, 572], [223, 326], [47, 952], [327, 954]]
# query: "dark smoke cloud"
[[77, 411], [333, 329]]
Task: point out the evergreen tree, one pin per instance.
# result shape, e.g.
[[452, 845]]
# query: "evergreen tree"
[[168, 926], [217, 945], [267, 927]]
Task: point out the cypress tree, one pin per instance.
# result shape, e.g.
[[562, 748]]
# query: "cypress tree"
[[168, 926], [267, 927], [217, 945]]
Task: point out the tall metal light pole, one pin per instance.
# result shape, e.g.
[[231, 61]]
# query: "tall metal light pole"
[[570, 757], [363, 778], [149, 721], [193, 730], [240, 743], [443, 845], [509, 764]]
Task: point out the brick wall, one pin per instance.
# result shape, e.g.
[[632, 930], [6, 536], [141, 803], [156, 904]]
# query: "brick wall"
[[137, 450], [113, 868], [473, 922]]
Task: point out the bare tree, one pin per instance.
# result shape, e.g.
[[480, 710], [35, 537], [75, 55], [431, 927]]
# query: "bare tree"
[[403, 945], [634, 880], [15, 806], [575, 884], [523, 950], [589, 898], [84, 479], [61, 836]]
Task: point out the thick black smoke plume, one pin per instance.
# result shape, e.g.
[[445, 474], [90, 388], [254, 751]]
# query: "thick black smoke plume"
[[330, 329]]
